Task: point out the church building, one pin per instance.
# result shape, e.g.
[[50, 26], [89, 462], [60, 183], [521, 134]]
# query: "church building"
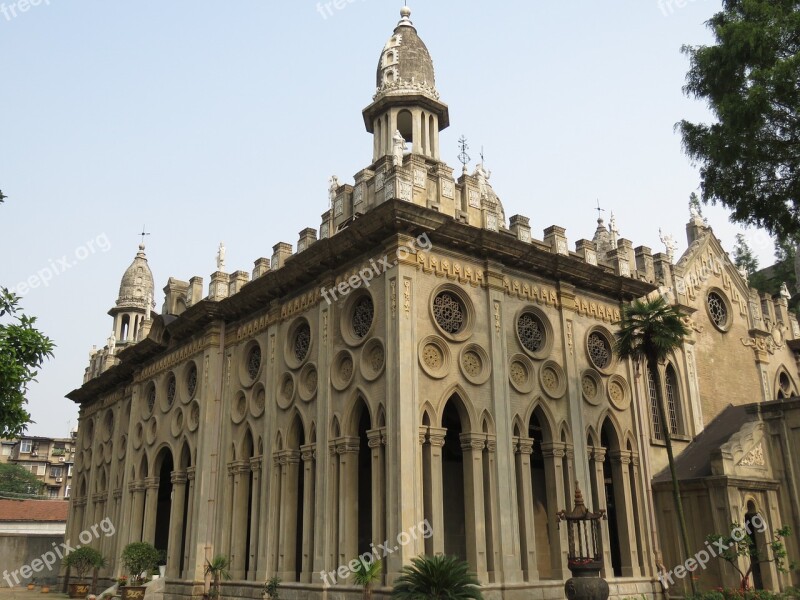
[[419, 374]]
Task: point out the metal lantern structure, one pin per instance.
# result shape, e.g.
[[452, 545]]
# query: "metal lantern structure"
[[585, 551]]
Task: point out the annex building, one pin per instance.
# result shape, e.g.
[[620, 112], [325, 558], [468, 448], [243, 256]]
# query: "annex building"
[[294, 418]]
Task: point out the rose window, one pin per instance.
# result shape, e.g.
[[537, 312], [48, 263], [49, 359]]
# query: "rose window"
[[599, 350], [363, 314], [449, 312], [531, 332]]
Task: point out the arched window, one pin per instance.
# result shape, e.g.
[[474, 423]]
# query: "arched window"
[[658, 432], [673, 401]]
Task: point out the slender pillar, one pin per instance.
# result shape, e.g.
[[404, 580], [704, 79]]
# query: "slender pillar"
[[188, 554], [492, 517], [137, 489], [597, 456], [308, 456], [178, 479], [150, 509], [553, 453], [472, 447], [255, 516], [620, 461], [524, 450], [290, 472], [376, 440], [240, 471], [347, 449], [436, 437]]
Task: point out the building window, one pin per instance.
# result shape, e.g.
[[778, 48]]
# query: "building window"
[[66, 491], [718, 310], [191, 380], [302, 342], [531, 332], [449, 312], [599, 350], [363, 314], [69, 471], [25, 446], [171, 388], [651, 385], [254, 361], [40, 470], [672, 400], [53, 493], [57, 472], [7, 450], [151, 399]]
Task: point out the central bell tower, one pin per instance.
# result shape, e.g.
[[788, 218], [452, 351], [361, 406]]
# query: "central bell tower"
[[406, 100]]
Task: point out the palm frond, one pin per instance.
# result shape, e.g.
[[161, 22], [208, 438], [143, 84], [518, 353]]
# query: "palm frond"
[[650, 329], [443, 577]]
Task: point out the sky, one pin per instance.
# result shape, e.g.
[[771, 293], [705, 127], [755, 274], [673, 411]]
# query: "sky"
[[208, 122]]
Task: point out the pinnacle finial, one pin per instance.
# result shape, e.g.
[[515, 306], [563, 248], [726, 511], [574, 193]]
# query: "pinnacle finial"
[[405, 16]]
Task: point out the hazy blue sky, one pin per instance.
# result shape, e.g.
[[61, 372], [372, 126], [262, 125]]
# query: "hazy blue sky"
[[222, 121]]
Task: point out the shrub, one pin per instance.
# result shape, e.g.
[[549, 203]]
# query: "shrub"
[[138, 558]]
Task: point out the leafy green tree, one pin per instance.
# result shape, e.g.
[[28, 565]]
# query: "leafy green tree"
[[750, 157], [437, 577], [15, 480], [218, 568], [740, 545], [83, 560], [743, 256], [366, 575], [139, 558], [648, 332]]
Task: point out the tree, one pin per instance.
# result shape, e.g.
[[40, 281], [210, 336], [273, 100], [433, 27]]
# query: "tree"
[[648, 331], [218, 569], [366, 574], [83, 560], [139, 558], [738, 544], [445, 577], [743, 256], [750, 157], [15, 480]]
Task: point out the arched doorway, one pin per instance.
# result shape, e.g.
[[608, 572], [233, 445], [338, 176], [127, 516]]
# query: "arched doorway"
[[541, 510], [164, 467], [455, 520], [752, 521]]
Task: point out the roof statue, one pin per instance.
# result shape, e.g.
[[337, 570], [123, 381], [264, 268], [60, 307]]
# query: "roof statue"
[[670, 244], [398, 148], [333, 187], [221, 257], [785, 291]]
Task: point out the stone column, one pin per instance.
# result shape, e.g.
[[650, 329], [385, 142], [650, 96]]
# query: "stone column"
[[116, 519], [640, 515], [553, 453], [290, 471], [332, 549], [620, 461], [472, 445], [308, 456], [178, 479], [347, 448], [493, 548], [137, 512], [273, 532], [240, 470], [524, 450], [436, 437], [597, 456], [188, 555], [255, 516], [376, 441], [150, 509]]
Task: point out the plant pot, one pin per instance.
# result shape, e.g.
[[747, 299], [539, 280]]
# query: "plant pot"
[[31, 586], [133, 592], [78, 590], [162, 570], [45, 589]]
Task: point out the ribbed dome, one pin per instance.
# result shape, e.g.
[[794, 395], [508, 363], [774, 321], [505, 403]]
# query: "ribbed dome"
[[405, 64], [137, 283]]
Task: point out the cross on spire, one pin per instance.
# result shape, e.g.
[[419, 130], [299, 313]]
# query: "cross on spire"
[[144, 233], [599, 210]]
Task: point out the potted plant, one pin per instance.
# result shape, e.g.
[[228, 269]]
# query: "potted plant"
[[218, 569], [138, 558], [271, 588], [366, 575], [437, 577], [122, 580], [32, 584], [45, 588], [82, 561]]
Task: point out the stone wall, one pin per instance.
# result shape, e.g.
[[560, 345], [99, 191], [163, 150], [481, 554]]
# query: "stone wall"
[[19, 550]]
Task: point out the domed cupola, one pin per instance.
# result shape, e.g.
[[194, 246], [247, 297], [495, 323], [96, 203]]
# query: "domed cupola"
[[135, 299], [406, 100]]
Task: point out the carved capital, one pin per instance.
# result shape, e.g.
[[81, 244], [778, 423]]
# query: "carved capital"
[[554, 449], [151, 483], [524, 445], [472, 441], [178, 477], [191, 473]]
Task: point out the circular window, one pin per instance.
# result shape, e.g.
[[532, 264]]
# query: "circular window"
[[171, 386], [599, 349], [302, 342], [150, 398], [718, 310], [531, 332], [363, 314], [191, 381], [452, 313], [449, 312], [254, 361]]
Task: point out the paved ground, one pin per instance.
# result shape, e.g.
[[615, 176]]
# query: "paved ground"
[[22, 593]]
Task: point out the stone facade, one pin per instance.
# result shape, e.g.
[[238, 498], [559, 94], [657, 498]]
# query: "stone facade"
[[423, 375]]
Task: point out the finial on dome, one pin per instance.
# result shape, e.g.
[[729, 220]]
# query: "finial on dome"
[[405, 14]]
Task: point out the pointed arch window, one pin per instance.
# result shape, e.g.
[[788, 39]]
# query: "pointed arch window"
[[671, 384], [658, 432]]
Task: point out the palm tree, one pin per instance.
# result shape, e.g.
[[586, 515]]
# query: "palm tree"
[[218, 569], [366, 574], [437, 577], [648, 331]]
